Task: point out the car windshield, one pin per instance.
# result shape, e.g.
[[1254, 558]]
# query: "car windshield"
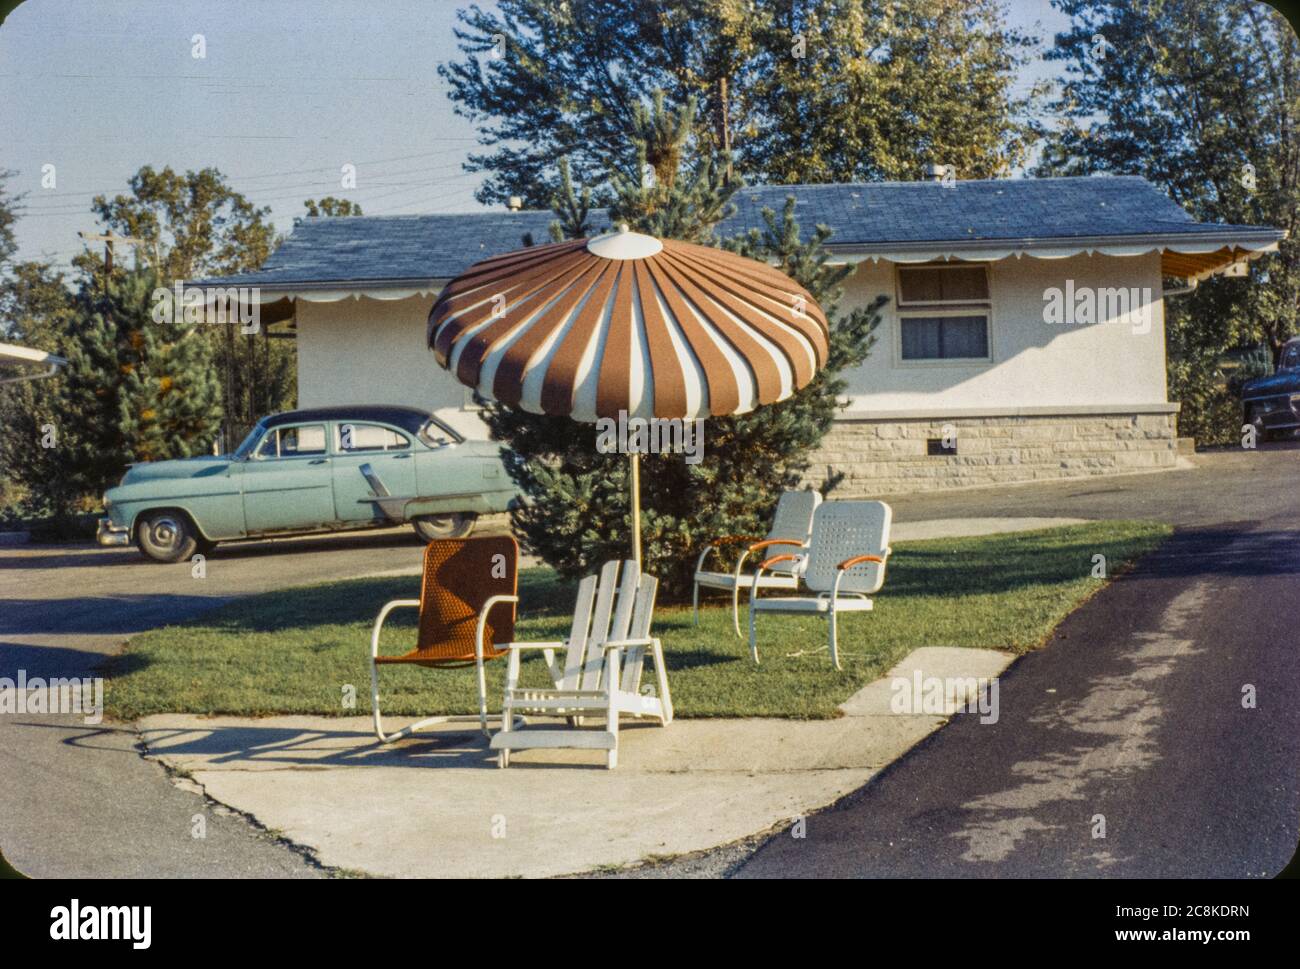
[[246, 448]]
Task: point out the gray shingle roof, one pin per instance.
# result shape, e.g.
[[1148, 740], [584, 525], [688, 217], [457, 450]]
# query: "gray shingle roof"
[[405, 248]]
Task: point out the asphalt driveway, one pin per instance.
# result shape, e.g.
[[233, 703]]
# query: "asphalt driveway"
[[79, 800], [1125, 747]]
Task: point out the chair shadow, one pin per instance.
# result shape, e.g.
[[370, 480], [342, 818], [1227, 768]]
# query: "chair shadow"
[[216, 746], [448, 746]]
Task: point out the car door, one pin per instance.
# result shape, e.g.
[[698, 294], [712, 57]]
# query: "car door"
[[287, 482], [385, 454], [442, 469]]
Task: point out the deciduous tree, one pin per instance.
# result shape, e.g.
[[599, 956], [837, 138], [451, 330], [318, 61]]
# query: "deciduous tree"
[[1203, 100], [788, 90]]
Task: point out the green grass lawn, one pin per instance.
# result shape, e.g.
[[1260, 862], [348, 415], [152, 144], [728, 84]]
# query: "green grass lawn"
[[298, 650]]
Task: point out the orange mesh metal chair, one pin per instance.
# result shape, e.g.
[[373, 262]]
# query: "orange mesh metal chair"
[[467, 611]]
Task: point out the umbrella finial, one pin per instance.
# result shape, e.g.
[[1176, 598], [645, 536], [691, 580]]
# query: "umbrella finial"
[[623, 243]]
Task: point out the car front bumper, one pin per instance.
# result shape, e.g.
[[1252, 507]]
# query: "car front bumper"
[[1277, 412], [111, 535]]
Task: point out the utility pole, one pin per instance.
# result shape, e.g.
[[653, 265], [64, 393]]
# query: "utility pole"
[[108, 239], [724, 122]]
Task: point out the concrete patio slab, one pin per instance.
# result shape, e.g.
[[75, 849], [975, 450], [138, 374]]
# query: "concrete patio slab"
[[437, 804]]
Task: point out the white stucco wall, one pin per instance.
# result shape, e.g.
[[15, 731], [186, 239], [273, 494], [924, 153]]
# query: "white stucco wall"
[[1034, 364], [364, 351]]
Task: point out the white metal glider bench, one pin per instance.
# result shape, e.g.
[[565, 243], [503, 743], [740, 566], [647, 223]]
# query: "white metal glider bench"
[[842, 568], [791, 526], [467, 609], [601, 672]]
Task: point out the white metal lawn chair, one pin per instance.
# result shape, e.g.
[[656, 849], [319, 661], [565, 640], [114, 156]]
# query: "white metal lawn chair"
[[791, 526], [842, 568], [601, 672]]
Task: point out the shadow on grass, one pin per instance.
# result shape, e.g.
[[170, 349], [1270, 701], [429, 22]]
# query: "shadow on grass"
[[994, 564], [685, 658]]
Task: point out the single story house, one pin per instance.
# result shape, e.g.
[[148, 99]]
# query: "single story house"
[[1023, 338]]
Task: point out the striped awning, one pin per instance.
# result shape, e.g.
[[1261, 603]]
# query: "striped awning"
[[627, 322]]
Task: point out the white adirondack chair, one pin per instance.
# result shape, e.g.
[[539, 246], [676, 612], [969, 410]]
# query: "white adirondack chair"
[[791, 526], [842, 568], [601, 672]]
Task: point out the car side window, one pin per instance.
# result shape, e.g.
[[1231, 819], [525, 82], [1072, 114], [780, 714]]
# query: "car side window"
[[293, 442], [1291, 358], [355, 438], [434, 434]]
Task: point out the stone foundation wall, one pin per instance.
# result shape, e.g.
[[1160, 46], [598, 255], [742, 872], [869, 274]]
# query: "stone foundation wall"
[[889, 456]]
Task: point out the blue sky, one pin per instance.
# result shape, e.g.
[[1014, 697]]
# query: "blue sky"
[[289, 91]]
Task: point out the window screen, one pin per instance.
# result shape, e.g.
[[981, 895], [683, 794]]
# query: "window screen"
[[945, 337]]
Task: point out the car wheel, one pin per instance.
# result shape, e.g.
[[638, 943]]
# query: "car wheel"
[[166, 536], [453, 524]]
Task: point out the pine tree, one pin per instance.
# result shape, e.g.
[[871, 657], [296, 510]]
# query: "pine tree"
[[139, 386], [572, 209], [579, 512], [659, 194]]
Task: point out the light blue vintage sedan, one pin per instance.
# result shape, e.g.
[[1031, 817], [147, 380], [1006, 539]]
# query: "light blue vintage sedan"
[[312, 470]]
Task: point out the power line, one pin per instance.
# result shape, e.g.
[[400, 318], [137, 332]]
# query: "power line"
[[301, 171], [291, 191]]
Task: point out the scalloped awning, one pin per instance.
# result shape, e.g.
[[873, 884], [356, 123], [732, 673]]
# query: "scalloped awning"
[[1185, 258]]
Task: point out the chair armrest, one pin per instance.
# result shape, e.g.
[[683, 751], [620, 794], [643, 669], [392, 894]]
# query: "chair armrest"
[[519, 646], [621, 643], [482, 620], [787, 557], [759, 546], [383, 614], [859, 559]]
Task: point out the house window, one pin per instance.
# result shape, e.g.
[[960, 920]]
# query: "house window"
[[943, 313]]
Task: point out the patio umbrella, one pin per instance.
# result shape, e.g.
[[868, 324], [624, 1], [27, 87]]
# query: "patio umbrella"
[[628, 323]]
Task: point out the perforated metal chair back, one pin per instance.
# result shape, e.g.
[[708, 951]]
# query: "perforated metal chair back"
[[843, 530], [793, 520]]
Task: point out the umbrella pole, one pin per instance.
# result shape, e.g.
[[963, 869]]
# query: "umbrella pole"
[[636, 509]]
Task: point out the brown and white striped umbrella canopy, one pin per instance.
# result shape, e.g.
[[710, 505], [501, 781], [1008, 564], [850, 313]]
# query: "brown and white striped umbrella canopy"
[[627, 322]]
